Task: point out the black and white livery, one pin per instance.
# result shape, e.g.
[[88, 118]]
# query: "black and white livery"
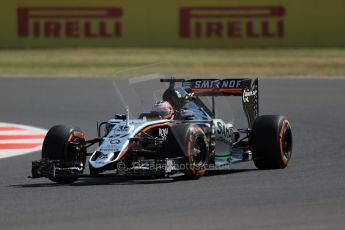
[[194, 141]]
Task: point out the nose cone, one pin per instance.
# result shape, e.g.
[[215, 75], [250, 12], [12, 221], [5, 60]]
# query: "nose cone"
[[100, 159]]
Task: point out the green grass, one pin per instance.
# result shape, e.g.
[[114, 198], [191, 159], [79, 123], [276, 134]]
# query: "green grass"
[[107, 62]]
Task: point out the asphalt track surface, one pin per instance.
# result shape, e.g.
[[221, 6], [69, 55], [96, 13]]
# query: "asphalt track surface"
[[309, 194]]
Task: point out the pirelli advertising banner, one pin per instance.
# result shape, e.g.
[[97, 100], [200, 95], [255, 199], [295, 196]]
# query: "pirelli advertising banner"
[[172, 23]]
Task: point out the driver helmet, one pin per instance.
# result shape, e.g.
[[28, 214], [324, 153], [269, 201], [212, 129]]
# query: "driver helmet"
[[163, 109]]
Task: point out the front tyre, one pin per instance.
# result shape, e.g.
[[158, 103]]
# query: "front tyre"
[[271, 141], [58, 145], [196, 153]]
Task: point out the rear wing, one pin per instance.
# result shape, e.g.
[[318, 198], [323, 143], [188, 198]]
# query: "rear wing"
[[215, 87], [247, 88]]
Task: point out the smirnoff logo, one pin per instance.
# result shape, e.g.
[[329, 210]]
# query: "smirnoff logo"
[[69, 22], [217, 84], [232, 22]]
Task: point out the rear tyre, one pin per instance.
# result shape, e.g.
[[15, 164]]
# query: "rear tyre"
[[56, 146], [271, 141]]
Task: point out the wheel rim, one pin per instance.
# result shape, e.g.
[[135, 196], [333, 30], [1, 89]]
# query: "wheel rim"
[[75, 155], [198, 158]]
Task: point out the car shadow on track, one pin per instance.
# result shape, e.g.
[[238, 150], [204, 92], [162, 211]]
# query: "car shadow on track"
[[112, 179], [227, 171]]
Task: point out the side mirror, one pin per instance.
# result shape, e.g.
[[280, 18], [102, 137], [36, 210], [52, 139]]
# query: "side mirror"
[[120, 116]]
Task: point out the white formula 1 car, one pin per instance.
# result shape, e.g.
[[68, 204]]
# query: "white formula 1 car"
[[184, 147]]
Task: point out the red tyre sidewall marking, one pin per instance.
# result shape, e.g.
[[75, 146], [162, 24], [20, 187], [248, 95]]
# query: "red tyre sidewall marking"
[[284, 158]]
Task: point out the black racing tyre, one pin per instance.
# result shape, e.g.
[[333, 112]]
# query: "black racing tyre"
[[194, 146], [189, 142], [271, 141], [56, 147]]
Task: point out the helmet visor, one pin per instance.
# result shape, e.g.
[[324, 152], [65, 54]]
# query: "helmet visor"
[[164, 112]]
